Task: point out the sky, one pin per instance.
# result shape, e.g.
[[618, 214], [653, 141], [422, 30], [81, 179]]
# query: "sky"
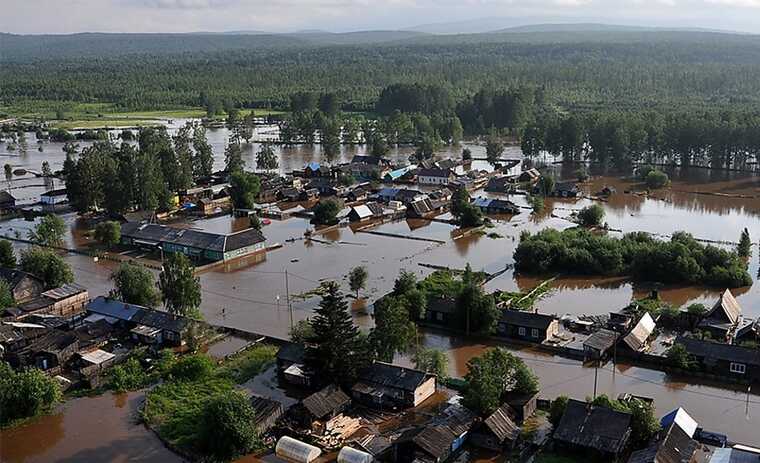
[[71, 16]]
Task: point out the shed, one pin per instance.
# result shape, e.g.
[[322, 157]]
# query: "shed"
[[590, 427], [598, 344], [326, 403], [7, 201], [636, 340], [351, 455], [267, 413], [523, 405], [295, 450], [445, 434], [383, 384], [675, 446], [497, 430], [683, 420], [723, 317]]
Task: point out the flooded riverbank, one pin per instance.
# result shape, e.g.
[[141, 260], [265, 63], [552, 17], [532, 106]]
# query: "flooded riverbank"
[[87, 429]]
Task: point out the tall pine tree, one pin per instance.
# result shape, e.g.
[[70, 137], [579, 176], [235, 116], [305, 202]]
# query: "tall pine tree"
[[337, 351]]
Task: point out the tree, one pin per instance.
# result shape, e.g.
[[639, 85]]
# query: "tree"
[[644, 424], [127, 376], [680, 358], [6, 296], [393, 331], [557, 409], [233, 156], [489, 377], [184, 157], [227, 426], [494, 148], [180, 288], [25, 393], [379, 147], [466, 154], [135, 284], [266, 159], [203, 161], [7, 256], [192, 367], [8, 174], [48, 266], [696, 309], [357, 279], [45, 170], [108, 233], [545, 185], [591, 216], [466, 213], [432, 361], [336, 353], [476, 311], [656, 179], [744, 249], [302, 332], [244, 187], [49, 231], [325, 212], [255, 221]]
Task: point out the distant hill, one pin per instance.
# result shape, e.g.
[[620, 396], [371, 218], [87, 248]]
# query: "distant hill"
[[597, 27]]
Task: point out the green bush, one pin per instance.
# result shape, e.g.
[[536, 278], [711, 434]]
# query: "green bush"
[[25, 393], [557, 409], [108, 233], [192, 367], [127, 376], [591, 216], [656, 179], [227, 428]]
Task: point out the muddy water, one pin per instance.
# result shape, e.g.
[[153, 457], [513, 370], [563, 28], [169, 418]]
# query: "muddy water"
[[251, 293], [101, 428]]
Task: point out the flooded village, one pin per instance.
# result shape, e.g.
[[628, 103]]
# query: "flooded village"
[[602, 348]]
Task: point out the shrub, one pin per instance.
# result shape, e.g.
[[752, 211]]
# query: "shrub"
[[25, 393], [591, 216], [557, 409], [127, 376], [227, 428], [679, 357], [108, 233], [656, 179], [325, 212], [192, 367]]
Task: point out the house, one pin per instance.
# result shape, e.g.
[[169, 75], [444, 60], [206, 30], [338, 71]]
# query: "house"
[[680, 418], [308, 194], [496, 206], [424, 208], [435, 176], [529, 176], [198, 245], [289, 194], [636, 340], [326, 404], [24, 286], [620, 322], [511, 167], [290, 360], [399, 174], [598, 344], [733, 455], [66, 301], [53, 199], [725, 360], [500, 184], [440, 310], [173, 328], [384, 385], [496, 432], [357, 194], [94, 335], [211, 206], [723, 317], [674, 446], [266, 412], [590, 427], [527, 326], [7, 202], [14, 336], [402, 195], [438, 440], [48, 352], [748, 331], [314, 169], [365, 212], [523, 405]]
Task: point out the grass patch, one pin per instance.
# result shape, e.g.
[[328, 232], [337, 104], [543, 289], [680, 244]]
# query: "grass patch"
[[174, 408]]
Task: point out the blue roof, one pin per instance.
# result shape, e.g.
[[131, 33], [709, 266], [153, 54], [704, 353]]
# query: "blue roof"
[[398, 173], [482, 202], [313, 165], [113, 308], [388, 192]]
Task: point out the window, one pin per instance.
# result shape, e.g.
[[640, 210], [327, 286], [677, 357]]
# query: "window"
[[739, 368], [521, 331], [439, 316], [534, 333]]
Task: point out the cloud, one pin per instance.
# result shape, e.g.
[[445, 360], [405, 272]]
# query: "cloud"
[[179, 4]]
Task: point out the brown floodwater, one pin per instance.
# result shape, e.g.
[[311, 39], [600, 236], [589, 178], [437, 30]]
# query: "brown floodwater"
[[87, 429], [251, 293]]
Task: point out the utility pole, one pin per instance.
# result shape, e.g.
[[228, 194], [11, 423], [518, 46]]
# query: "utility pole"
[[287, 299], [746, 410], [596, 376]]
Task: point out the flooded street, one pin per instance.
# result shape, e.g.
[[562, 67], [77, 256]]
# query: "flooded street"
[[250, 294], [87, 429]]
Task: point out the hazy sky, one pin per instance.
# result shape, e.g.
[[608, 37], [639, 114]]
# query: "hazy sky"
[[66, 16]]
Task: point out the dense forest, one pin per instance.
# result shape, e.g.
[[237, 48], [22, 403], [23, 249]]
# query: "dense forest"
[[616, 98]]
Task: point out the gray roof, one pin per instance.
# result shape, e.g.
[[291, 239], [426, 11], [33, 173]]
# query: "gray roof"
[[527, 319], [727, 308], [501, 425], [197, 239], [67, 290], [14, 277], [601, 340], [594, 427], [393, 376], [6, 197], [717, 351], [675, 447], [137, 314], [264, 410], [434, 172], [327, 401], [437, 438], [730, 455], [291, 352]]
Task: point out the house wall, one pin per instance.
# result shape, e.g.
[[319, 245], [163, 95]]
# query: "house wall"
[[244, 251], [523, 333], [71, 305], [425, 390], [433, 180]]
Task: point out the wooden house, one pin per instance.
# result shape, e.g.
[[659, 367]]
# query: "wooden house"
[[384, 385], [672, 446], [324, 405], [586, 427], [497, 432], [523, 405], [440, 311], [435, 176], [723, 317], [724, 359], [266, 412], [7, 202], [365, 212], [527, 326], [24, 286], [438, 440]]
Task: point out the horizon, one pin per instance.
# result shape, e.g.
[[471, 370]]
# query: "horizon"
[[38, 17]]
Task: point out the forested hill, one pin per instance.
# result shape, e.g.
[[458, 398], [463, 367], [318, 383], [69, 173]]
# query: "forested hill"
[[584, 70]]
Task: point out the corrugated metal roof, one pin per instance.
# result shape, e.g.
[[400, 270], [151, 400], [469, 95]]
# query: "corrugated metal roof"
[[682, 419], [638, 336], [393, 376], [97, 356], [64, 291]]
